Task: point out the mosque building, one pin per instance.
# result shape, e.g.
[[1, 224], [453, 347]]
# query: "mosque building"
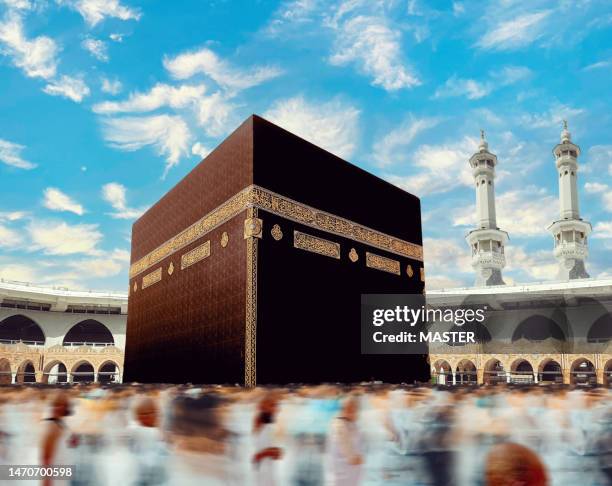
[[56, 335], [559, 331]]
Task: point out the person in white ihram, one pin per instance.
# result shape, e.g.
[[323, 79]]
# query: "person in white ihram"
[[266, 452], [345, 446]]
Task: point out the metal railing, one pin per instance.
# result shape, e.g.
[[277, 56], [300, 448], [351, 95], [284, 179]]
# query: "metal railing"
[[20, 341], [86, 343]]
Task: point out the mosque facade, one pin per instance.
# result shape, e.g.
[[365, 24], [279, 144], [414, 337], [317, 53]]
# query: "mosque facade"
[[550, 332], [56, 335]]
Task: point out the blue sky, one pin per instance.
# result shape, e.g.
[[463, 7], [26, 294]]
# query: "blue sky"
[[106, 104]]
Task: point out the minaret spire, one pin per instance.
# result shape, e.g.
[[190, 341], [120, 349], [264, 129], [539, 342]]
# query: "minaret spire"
[[487, 241], [570, 232]]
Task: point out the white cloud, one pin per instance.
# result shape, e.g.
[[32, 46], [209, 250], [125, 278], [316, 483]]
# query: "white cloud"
[[375, 47], [18, 272], [597, 65], [473, 90], [115, 194], [67, 274], [37, 57], [95, 11], [12, 215], [60, 238], [602, 189], [111, 86], [600, 159], [199, 150], [444, 254], [292, 13], [116, 37], [458, 9], [440, 168], [515, 33], [160, 95], [56, 200], [603, 229], [96, 48], [17, 4], [538, 266], [508, 75], [9, 238], [332, 125], [170, 135], [392, 147], [552, 118], [215, 114], [595, 187], [469, 88], [10, 154], [68, 87], [206, 62], [523, 212], [97, 267]]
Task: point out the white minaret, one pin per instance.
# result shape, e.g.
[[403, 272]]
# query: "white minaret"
[[487, 241], [570, 232]]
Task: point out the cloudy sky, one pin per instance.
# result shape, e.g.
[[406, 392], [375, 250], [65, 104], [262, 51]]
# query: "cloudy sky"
[[106, 104]]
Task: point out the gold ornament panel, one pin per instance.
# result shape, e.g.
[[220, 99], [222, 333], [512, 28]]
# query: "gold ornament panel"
[[224, 239], [152, 278], [276, 232], [382, 263], [255, 196], [307, 242], [194, 256]]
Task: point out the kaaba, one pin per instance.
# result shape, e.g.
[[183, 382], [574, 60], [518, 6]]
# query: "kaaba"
[[251, 269]]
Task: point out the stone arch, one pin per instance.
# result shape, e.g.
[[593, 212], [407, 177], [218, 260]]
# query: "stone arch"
[[538, 328], [6, 377], [88, 332], [521, 371], [608, 373], [582, 372], [20, 328], [466, 372], [108, 372], [82, 372], [550, 371], [601, 330], [26, 373], [55, 372], [442, 372], [494, 372]]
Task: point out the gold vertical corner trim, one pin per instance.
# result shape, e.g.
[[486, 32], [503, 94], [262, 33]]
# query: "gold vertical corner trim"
[[253, 227], [224, 239], [194, 256], [382, 263], [171, 268], [353, 255], [307, 242], [276, 232], [422, 274], [152, 278], [250, 339], [409, 271]]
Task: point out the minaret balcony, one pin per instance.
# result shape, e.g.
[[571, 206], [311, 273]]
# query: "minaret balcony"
[[571, 250], [490, 259]]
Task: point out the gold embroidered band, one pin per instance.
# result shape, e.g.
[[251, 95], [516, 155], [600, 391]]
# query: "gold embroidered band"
[[255, 196], [311, 243]]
